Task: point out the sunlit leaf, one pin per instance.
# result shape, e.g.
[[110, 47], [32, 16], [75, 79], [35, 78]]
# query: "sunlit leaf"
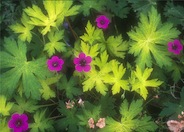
[[139, 81], [5, 106], [150, 38], [41, 122], [20, 69]]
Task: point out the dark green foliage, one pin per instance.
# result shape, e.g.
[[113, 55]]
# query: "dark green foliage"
[[118, 8], [174, 13], [142, 6], [130, 62], [69, 87], [174, 107], [87, 5], [69, 121]]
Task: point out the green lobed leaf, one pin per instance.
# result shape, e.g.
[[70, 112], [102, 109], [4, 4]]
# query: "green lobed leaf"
[[116, 78], [56, 11], [87, 5], [23, 29], [5, 106], [69, 86], [89, 111], [107, 109], [92, 34], [41, 122], [173, 108], [140, 6], [69, 121], [116, 46], [131, 119], [46, 91], [90, 50], [118, 8], [177, 70], [95, 78], [55, 44], [20, 70], [174, 13], [150, 38], [4, 126], [140, 83], [24, 105]]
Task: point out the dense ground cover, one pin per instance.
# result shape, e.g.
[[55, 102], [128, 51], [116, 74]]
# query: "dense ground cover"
[[87, 66]]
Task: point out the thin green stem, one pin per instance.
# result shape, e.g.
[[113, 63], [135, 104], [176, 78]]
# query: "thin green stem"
[[115, 26], [47, 105], [73, 32], [148, 102], [54, 117], [43, 39], [37, 36]]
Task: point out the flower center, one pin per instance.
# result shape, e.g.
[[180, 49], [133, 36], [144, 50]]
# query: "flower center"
[[55, 64], [102, 22], [174, 47], [18, 123], [83, 62]]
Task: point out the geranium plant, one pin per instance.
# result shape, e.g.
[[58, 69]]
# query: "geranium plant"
[[92, 66]]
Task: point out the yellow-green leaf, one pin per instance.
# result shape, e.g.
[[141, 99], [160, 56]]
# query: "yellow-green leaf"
[[140, 83], [23, 29], [90, 50], [55, 44], [4, 125], [46, 91], [56, 11], [5, 106], [116, 79], [92, 34], [149, 40], [95, 78]]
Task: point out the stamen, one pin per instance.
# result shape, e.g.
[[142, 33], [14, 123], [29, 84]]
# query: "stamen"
[[83, 62], [55, 64], [174, 46], [102, 22]]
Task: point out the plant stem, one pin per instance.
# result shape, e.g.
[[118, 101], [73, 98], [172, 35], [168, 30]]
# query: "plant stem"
[[54, 117], [73, 32], [46, 105]]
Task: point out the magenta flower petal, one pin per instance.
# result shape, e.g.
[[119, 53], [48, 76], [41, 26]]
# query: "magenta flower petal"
[[15, 115], [82, 55], [76, 60], [18, 130], [180, 46], [102, 21], [18, 122], [88, 59], [61, 62], [175, 47], [87, 68], [82, 63], [55, 63], [24, 117], [11, 124], [170, 46], [78, 68]]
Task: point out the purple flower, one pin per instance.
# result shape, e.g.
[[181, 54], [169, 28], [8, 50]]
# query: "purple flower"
[[55, 63], [82, 63], [102, 21], [175, 47], [18, 122]]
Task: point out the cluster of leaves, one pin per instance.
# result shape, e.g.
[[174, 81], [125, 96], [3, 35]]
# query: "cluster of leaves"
[[104, 73], [117, 8], [174, 14], [131, 119], [27, 86]]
